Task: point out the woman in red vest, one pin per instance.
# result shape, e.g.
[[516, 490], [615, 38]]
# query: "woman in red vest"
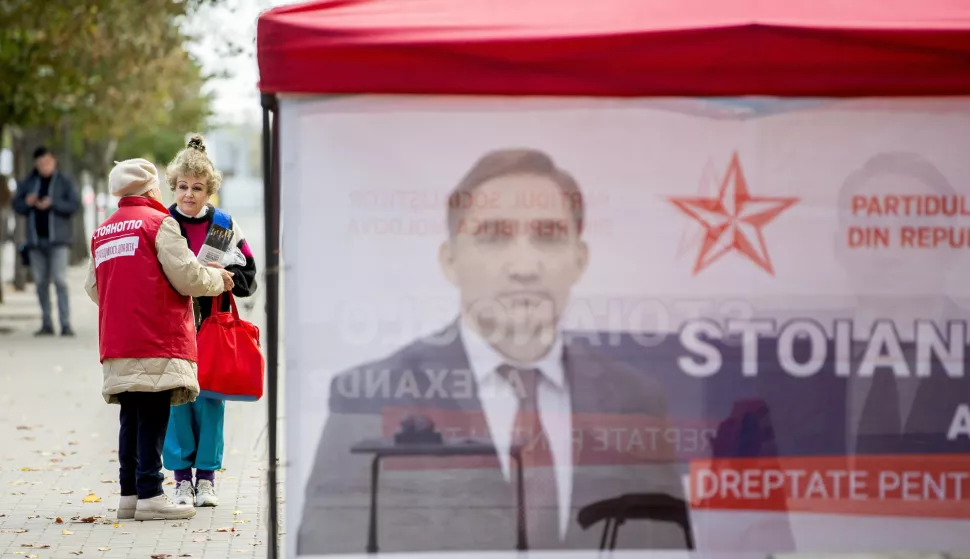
[[143, 276]]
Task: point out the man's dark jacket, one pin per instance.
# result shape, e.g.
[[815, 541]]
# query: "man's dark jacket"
[[65, 202]]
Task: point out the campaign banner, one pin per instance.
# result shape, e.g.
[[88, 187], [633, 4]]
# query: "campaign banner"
[[665, 304]]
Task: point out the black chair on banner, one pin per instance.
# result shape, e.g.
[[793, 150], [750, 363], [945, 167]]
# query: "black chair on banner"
[[635, 506]]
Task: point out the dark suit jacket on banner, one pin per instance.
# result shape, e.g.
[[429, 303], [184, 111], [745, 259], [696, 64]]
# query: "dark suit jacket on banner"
[[442, 507]]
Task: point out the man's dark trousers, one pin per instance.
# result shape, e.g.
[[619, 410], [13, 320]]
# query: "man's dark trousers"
[[144, 420], [49, 262]]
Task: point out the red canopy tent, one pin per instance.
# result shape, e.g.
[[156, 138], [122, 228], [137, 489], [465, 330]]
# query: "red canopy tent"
[[618, 47], [707, 48]]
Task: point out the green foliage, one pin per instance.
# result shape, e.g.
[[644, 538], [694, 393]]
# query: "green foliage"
[[114, 70]]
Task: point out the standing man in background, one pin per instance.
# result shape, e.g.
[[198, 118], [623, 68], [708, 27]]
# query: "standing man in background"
[[49, 199]]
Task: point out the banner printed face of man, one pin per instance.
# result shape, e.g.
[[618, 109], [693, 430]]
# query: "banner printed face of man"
[[515, 256]]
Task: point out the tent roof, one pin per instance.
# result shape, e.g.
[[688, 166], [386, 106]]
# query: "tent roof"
[[618, 47]]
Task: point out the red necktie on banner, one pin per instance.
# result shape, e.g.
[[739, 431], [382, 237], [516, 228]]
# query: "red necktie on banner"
[[539, 472]]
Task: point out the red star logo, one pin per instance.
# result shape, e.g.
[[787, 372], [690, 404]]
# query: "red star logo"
[[733, 220], [693, 232]]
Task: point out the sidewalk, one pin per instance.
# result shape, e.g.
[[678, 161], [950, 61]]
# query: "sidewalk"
[[59, 452]]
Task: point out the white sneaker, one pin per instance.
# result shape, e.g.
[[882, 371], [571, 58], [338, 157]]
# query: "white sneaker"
[[162, 508], [184, 493], [205, 495], [126, 508]]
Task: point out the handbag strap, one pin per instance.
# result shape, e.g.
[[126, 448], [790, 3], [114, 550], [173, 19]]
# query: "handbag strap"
[[217, 304]]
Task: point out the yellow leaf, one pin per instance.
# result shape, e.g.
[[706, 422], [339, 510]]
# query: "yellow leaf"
[[236, 512], [118, 525], [104, 549], [67, 532], [92, 498]]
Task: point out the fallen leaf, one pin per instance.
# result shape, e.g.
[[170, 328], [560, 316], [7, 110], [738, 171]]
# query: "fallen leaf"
[[67, 532], [89, 520], [109, 481], [66, 492], [118, 525], [33, 556], [29, 470], [30, 438], [161, 556], [18, 482], [203, 530], [104, 549], [59, 520], [226, 530], [55, 460], [23, 428], [186, 555], [35, 546], [92, 498], [178, 524], [254, 544], [73, 443], [239, 521], [33, 517], [77, 553], [18, 493], [236, 512]]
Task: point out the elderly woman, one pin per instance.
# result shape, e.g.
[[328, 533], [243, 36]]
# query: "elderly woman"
[[195, 436], [142, 275]]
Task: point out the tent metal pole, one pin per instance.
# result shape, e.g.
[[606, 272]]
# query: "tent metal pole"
[[271, 209]]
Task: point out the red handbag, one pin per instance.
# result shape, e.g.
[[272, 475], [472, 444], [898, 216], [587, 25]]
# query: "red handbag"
[[230, 364]]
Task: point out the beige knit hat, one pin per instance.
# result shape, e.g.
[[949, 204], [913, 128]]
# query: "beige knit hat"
[[132, 177]]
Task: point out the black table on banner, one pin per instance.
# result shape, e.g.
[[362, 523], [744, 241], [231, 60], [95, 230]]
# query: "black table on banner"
[[387, 448]]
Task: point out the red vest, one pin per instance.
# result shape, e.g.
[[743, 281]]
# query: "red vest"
[[140, 315]]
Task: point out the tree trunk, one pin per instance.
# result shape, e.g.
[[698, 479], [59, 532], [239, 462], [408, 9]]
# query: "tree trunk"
[[4, 204], [79, 246]]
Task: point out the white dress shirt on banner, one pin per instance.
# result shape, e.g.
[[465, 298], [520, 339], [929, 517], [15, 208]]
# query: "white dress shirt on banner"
[[500, 406]]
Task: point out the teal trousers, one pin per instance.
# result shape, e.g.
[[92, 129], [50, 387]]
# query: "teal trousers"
[[194, 438]]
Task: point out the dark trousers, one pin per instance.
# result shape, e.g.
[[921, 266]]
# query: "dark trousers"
[[144, 420]]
